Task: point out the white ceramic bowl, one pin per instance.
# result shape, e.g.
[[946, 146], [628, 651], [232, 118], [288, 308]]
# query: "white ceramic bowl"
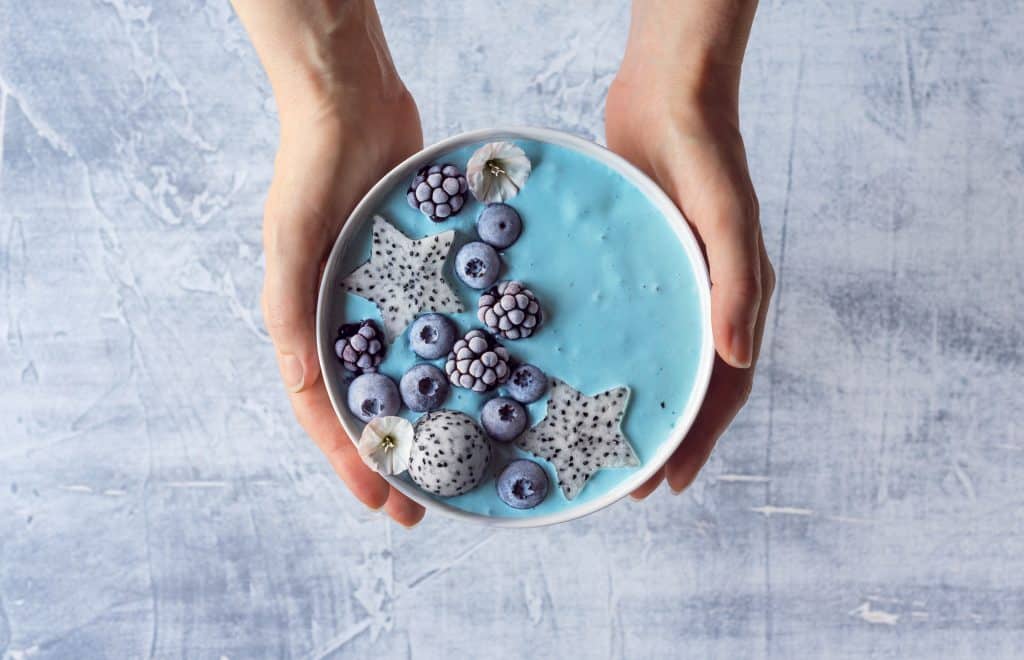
[[399, 176]]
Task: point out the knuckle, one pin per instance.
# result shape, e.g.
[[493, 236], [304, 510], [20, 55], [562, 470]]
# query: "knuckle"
[[746, 388], [755, 207], [275, 316], [736, 218], [747, 286], [287, 229], [769, 279]]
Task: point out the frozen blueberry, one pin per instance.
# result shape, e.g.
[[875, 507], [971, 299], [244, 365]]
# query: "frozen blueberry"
[[503, 419], [523, 484], [477, 264], [373, 395], [424, 387], [431, 336], [527, 383], [499, 224]]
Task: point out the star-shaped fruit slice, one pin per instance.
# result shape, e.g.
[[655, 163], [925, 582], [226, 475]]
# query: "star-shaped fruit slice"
[[404, 276], [581, 434]]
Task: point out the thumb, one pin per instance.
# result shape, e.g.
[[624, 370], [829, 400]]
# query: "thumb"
[[293, 255], [731, 235], [724, 209]]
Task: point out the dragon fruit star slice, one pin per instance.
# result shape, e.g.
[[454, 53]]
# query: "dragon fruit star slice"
[[581, 434], [404, 276]]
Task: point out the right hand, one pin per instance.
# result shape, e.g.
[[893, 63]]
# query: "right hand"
[[326, 161]]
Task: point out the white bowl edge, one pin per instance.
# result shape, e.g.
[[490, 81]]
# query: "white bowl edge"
[[650, 189]]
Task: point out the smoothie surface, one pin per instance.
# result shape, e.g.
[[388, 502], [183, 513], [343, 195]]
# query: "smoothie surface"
[[620, 299]]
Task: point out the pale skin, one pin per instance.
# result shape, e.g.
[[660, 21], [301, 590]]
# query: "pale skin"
[[347, 118]]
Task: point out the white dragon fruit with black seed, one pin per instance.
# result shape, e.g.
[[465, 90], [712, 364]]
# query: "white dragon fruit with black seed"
[[438, 191], [449, 453], [360, 346], [404, 276], [580, 435], [510, 309], [477, 362]]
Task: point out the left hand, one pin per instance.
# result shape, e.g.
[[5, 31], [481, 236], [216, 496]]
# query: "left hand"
[[691, 146]]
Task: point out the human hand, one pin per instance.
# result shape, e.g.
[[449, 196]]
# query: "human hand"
[[346, 120], [687, 139], [323, 168]]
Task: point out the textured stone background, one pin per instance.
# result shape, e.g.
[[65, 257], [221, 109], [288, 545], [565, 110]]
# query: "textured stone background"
[[156, 498]]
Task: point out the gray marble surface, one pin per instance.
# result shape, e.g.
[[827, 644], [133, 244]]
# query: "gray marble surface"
[[157, 499]]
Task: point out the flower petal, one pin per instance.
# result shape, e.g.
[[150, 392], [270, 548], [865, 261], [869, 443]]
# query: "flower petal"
[[490, 186], [385, 444]]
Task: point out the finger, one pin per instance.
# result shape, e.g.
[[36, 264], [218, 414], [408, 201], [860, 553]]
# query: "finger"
[[723, 400], [293, 247], [403, 510], [711, 185], [648, 486], [727, 392], [314, 412], [730, 235]]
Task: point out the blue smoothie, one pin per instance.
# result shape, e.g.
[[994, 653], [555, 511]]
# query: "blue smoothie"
[[620, 299]]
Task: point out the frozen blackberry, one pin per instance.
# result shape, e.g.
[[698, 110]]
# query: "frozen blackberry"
[[438, 191], [477, 362], [360, 346], [510, 310]]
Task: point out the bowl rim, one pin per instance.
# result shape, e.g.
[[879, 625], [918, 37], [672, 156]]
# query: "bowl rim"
[[364, 209]]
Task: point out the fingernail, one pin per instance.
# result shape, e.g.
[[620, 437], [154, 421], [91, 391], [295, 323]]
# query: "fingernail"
[[292, 372], [739, 348], [410, 525]]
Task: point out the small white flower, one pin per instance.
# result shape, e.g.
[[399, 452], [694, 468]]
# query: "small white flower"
[[497, 171], [386, 443]]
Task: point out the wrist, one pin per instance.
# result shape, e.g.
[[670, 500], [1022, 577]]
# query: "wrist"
[[694, 78], [694, 90], [322, 58], [688, 53]]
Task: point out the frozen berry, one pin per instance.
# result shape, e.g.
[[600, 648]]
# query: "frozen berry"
[[503, 419], [477, 264], [431, 336], [510, 310], [373, 395], [360, 346], [499, 224], [438, 191], [424, 387], [527, 383], [523, 484], [477, 362]]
